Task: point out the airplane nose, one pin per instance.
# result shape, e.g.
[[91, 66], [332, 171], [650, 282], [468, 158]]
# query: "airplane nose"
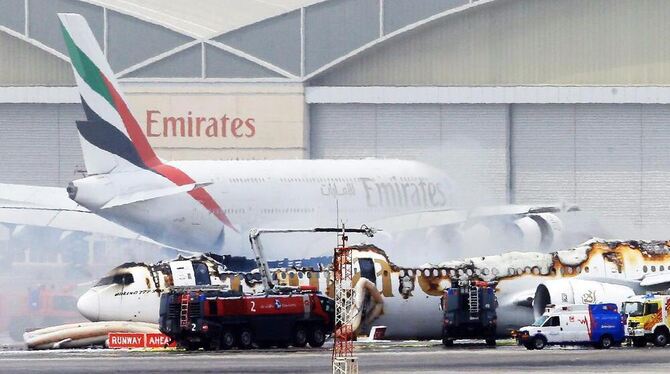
[[89, 305]]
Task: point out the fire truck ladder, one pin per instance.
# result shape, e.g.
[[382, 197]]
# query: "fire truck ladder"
[[473, 294], [183, 314]]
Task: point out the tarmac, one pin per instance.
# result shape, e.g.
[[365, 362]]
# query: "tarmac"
[[396, 357]]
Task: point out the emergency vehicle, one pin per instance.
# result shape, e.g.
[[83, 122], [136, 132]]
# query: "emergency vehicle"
[[469, 310], [600, 325], [218, 318], [38, 307], [647, 319]]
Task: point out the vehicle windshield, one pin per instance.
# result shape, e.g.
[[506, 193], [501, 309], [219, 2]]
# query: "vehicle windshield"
[[538, 322], [328, 305], [633, 309]]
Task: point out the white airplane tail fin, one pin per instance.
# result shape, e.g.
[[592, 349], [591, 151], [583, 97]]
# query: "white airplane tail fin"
[[111, 137]]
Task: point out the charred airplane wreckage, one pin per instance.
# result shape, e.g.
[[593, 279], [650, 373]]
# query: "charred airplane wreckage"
[[406, 299]]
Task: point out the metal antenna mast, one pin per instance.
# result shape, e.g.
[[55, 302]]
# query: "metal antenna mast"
[[344, 360]]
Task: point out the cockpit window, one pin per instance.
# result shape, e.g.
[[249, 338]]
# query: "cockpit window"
[[201, 273], [122, 279]]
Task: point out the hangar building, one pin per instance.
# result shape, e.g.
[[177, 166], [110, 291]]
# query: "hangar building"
[[525, 100]]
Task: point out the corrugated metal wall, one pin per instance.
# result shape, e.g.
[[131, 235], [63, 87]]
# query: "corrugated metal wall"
[[30, 66], [40, 143], [611, 159], [587, 154], [469, 141], [524, 42]]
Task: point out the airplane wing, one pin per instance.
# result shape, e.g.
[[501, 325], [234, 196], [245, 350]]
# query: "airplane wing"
[[655, 279], [435, 218], [51, 207]]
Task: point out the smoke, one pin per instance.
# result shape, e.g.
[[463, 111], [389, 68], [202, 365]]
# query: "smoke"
[[476, 177], [479, 179], [44, 271]]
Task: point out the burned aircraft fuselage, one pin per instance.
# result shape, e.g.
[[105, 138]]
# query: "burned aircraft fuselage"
[[597, 271]]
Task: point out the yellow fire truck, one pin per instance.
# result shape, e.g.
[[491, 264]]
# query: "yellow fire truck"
[[647, 319]]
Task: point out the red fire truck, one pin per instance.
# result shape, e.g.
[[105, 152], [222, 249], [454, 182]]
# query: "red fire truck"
[[221, 319]]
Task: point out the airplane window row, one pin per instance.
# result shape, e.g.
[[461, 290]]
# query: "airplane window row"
[[494, 271], [235, 211], [287, 210], [645, 268], [571, 270], [246, 180], [300, 275], [317, 180]]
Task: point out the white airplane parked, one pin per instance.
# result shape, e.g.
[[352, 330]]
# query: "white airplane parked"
[[406, 299], [195, 205]]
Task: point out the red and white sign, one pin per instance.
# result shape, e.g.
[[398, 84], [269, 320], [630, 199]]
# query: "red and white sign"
[[159, 341], [125, 340], [118, 340]]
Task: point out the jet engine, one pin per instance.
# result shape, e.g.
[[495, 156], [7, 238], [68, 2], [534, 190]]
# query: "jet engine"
[[536, 231], [577, 291]]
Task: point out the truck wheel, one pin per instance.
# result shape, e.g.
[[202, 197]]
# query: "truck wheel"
[[538, 342], [227, 339], [299, 336], [529, 346], [491, 342], [639, 342], [448, 342], [605, 342], [245, 340], [316, 337], [660, 338]]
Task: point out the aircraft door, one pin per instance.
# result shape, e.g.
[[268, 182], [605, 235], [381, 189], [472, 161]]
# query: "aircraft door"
[[612, 264], [182, 273], [201, 274], [367, 267]]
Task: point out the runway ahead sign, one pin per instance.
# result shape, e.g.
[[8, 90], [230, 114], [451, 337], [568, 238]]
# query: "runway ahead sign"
[[123, 340]]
